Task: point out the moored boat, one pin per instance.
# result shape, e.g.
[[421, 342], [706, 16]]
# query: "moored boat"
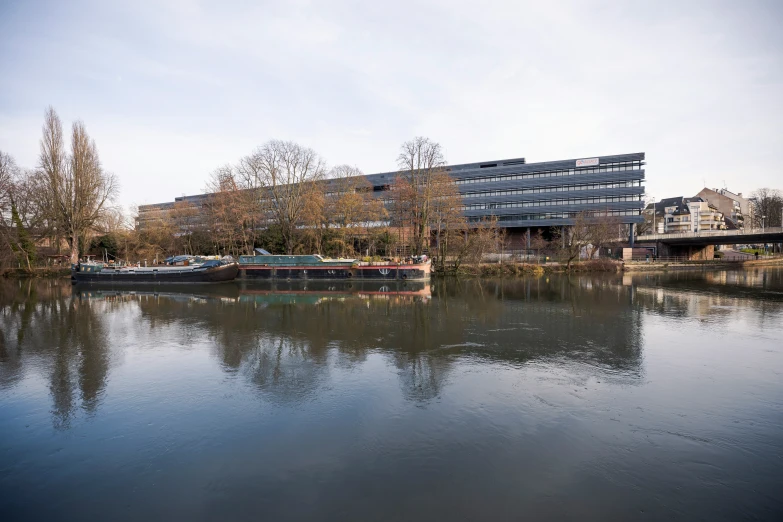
[[213, 271], [268, 266]]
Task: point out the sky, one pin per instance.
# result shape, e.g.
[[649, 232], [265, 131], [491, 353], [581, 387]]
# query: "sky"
[[171, 90]]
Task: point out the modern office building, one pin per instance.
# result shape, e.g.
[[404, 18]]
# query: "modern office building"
[[523, 196]]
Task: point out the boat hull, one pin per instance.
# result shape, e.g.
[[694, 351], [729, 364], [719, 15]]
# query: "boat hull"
[[417, 272], [219, 274]]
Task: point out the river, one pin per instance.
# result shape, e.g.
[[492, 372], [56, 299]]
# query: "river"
[[599, 397]]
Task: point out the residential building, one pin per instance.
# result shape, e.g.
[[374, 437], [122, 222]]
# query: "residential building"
[[660, 211], [734, 207], [681, 215]]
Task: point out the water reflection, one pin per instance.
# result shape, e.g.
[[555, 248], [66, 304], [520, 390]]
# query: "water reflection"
[[592, 397], [44, 330], [287, 338], [712, 298]]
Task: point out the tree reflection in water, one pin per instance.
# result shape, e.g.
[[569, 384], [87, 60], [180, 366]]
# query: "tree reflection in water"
[[287, 340], [45, 329]]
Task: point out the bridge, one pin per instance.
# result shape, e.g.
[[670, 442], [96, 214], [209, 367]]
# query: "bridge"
[[717, 237], [700, 245]]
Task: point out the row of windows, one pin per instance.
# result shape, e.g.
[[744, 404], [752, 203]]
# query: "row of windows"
[[574, 201], [610, 167], [559, 188], [552, 215], [152, 208], [551, 202]]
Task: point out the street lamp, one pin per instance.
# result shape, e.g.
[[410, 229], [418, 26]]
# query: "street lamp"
[[654, 230]]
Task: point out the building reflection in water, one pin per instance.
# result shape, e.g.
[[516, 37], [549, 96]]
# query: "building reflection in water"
[[286, 339], [711, 296], [282, 337]]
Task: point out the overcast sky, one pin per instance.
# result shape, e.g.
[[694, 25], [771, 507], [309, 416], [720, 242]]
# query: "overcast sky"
[[172, 90]]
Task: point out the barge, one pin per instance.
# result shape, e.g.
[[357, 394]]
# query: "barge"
[[214, 271], [268, 266]]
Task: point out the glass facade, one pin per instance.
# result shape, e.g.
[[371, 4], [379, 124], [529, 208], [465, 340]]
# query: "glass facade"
[[521, 194]]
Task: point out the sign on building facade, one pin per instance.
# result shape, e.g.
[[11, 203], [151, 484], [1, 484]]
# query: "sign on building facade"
[[589, 162]]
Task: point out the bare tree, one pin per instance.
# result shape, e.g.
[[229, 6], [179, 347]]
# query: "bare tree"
[[290, 174], [112, 221], [540, 245], [8, 175], [315, 221], [602, 231], [573, 239], [420, 160], [8, 172], [447, 221], [350, 206], [158, 239], [249, 177], [590, 232], [19, 214], [225, 210], [468, 243], [767, 208], [481, 239], [649, 213], [74, 188], [249, 172], [9, 215], [188, 221]]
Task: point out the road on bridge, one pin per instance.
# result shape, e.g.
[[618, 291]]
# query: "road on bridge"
[[736, 255]]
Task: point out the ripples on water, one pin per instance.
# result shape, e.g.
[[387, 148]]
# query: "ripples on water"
[[589, 398]]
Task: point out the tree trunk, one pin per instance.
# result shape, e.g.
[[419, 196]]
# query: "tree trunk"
[[420, 238], [75, 248]]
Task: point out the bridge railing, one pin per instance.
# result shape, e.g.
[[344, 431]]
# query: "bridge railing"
[[712, 233], [682, 259], [651, 259]]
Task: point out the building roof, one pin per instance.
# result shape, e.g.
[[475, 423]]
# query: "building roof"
[[660, 206], [680, 203]]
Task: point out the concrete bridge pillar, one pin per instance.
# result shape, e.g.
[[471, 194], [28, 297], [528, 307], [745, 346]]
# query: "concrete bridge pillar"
[[662, 250]]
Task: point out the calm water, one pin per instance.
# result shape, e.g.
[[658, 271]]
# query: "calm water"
[[592, 398]]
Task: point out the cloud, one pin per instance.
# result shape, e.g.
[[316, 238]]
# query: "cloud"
[[171, 90]]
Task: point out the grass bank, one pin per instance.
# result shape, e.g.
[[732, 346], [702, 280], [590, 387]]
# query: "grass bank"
[[530, 269]]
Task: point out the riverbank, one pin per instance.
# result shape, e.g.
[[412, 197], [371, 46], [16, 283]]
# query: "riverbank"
[[511, 269], [716, 264], [528, 269], [35, 272], [599, 265]]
